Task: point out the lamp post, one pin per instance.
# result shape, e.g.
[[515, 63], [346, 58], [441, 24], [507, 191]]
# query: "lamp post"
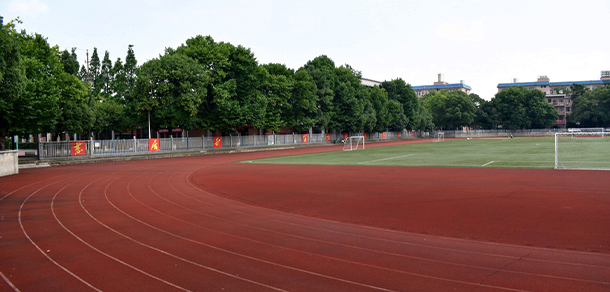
[[149, 124], [578, 124]]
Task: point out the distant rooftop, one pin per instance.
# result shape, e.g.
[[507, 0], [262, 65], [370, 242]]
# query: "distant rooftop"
[[441, 86], [564, 83]]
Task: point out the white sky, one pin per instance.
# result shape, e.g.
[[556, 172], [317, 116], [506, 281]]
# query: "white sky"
[[481, 42]]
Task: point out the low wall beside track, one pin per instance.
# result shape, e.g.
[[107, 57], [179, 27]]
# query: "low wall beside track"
[[9, 162]]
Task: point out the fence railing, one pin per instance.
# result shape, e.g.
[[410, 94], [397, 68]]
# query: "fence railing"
[[102, 148]]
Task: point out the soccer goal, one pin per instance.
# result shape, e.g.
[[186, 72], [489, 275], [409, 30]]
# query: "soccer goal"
[[439, 137], [582, 150], [353, 143]]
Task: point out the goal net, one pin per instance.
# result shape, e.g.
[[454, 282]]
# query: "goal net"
[[353, 143], [582, 150], [439, 137]]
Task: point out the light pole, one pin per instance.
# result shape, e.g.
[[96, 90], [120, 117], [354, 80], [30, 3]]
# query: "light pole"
[[149, 124]]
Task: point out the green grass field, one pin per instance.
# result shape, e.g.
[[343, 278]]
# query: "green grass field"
[[495, 153]]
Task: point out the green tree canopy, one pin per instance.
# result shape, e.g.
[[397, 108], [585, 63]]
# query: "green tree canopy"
[[171, 88], [322, 71], [450, 110], [402, 92], [592, 108], [520, 108], [12, 82]]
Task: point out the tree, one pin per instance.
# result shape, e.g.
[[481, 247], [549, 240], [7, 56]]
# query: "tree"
[[12, 81], [520, 108], [349, 101], [450, 110], [303, 102], [109, 116], [322, 71], [277, 86], [39, 104], [119, 85], [94, 73], [246, 104], [70, 61], [424, 120], [397, 119], [486, 114], [402, 92], [106, 76], [76, 114], [592, 108], [171, 89], [379, 101]]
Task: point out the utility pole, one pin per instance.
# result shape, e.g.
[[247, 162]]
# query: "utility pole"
[[88, 81]]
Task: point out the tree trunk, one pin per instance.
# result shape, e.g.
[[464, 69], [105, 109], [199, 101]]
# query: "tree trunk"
[[2, 142]]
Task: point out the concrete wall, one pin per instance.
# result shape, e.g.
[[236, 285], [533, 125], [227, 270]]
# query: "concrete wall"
[[9, 162]]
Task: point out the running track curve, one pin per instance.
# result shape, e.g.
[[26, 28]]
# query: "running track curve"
[[207, 224]]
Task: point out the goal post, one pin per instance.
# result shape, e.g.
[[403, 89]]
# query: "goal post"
[[582, 150], [353, 143], [439, 137]]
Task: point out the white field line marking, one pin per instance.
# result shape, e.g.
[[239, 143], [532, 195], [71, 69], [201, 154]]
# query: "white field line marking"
[[488, 163], [9, 282], [377, 160]]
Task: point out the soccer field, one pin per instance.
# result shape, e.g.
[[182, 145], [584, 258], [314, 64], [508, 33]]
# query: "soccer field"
[[498, 153]]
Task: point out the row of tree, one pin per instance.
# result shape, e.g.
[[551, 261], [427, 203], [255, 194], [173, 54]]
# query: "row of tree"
[[221, 87]]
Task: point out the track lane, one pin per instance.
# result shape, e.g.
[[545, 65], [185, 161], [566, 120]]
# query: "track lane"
[[249, 227]]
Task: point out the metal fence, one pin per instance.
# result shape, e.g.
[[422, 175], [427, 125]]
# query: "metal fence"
[[117, 147], [101, 148]]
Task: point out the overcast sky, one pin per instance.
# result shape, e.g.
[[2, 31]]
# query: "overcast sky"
[[481, 42]]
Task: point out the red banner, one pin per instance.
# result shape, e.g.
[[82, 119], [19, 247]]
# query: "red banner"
[[305, 136], [78, 148], [327, 137], [366, 136], [383, 135], [153, 145], [398, 134], [217, 142]]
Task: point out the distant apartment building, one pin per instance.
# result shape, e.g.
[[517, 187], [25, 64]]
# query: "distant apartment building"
[[555, 94], [421, 90], [439, 85]]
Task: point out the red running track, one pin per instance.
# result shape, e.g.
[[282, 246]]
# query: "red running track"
[[207, 224]]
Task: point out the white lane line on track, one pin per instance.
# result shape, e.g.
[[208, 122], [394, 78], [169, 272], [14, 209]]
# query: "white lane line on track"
[[488, 163], [406, 233], [38, 247], [44, 180], [160, 250], [384, 159], [354, 247], [103, 253], [239, 254], [9, 282], [398, 232]]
